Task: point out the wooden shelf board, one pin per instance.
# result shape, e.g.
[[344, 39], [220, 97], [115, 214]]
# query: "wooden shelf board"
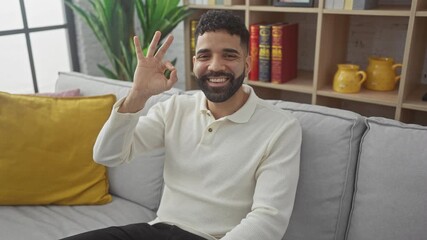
[[400, 11], [414, 101], [207, 7], [303, 83], [283, 9], [388, 98], [421, 13]]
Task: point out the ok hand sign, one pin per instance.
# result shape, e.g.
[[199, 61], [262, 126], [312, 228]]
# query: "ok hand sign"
[[149, 78]]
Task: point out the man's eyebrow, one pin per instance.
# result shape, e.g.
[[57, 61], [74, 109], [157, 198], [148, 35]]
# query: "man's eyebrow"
[[203, 50], [231, 50], [227, 50]]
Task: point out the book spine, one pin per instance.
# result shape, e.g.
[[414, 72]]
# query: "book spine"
[[233, 2], [193, 25], [348, 4], [264, 62], [338, 4], [365, 4], [284, 57], [276, 53], [329, 4], [254, 51]]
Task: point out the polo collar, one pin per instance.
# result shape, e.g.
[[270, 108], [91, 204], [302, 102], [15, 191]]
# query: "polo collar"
[[244, 113]]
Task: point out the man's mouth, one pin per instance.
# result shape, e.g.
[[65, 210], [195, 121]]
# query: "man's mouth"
[[218, 80]]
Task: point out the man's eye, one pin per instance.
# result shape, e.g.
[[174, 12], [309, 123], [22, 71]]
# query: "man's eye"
[[202, 57], [230, 56]]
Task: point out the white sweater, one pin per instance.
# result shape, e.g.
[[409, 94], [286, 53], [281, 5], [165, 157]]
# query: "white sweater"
[[230, 178]]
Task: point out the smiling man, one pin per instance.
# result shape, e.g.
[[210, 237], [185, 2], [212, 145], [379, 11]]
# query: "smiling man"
[[231, 159]]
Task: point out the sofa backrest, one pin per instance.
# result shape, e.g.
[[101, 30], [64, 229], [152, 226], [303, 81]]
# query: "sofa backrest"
[[390, 199], [330, 146], [140, 180]]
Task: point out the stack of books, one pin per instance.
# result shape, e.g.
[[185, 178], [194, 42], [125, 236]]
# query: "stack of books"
[[274, 52]]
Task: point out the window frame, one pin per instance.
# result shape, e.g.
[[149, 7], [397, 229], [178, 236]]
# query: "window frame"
[[69, 26]]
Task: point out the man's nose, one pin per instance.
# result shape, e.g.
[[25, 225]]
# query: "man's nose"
[[216, 64]]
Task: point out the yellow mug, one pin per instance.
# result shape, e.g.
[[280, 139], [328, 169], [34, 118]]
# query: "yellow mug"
[[381, 73], [348, 78]]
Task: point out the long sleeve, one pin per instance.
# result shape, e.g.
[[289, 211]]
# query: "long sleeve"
[[276, 182], [124, 136]]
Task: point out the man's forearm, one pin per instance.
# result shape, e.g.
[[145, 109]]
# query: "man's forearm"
[[133, 103], [114, 137]]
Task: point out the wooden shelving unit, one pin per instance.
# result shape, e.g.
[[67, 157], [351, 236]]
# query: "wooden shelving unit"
[[327, 39]]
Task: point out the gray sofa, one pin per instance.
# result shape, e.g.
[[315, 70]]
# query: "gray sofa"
[[360, 178]]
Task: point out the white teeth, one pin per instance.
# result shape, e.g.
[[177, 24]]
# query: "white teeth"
[[217, 80]]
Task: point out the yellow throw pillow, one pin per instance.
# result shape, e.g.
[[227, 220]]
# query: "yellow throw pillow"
[[46, 150]]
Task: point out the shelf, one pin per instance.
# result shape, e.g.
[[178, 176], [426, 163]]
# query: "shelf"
[[328, 37], [283, 9], [414, 101], [392, 11], [207, 7], [388, 98], [303, 83], [421, 14]]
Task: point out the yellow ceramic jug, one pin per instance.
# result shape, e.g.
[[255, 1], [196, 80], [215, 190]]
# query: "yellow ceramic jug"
[[381, 73], [348, 78]]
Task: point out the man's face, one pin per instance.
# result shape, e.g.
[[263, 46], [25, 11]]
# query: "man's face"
[[220, 65]]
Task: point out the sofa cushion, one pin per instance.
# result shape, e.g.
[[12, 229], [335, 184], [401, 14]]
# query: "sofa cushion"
[[66, 93], [46, 155], [140, 180], [55, 222], [391, 187], [330, 140]]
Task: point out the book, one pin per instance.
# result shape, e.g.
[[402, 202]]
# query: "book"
[[338, 4], [233, 2], [193, 25], [329, 4], [348, 4], [264, 61], [364, 4], [254, 51], [284, 53]]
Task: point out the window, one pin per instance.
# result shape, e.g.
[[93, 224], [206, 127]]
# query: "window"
[[35, 45]]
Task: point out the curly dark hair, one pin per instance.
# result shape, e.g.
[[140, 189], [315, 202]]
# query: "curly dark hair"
[[214, 20]]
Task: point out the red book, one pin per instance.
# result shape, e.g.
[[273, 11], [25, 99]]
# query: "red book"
[[254, 51], [284, 56]]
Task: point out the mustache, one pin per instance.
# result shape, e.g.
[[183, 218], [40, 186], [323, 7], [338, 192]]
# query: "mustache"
[[210, 74]]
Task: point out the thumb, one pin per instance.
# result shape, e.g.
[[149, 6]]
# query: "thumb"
[[173, 78]]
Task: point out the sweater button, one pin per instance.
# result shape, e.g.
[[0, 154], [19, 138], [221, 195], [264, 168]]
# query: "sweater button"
[[210, 130]]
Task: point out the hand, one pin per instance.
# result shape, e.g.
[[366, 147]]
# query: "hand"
[[149, 78]]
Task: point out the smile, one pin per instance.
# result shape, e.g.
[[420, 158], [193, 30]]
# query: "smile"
[[217, 80]]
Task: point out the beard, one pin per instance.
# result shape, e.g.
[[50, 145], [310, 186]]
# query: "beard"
[[220, 94]]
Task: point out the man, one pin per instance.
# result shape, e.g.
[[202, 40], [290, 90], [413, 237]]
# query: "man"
[[231, 159]]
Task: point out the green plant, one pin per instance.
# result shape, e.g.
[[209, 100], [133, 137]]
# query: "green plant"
[[112, 22]]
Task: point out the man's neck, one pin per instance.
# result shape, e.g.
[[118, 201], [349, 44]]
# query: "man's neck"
[[230, 106]]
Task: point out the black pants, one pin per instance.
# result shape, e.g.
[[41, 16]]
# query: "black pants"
[[138, 231]]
